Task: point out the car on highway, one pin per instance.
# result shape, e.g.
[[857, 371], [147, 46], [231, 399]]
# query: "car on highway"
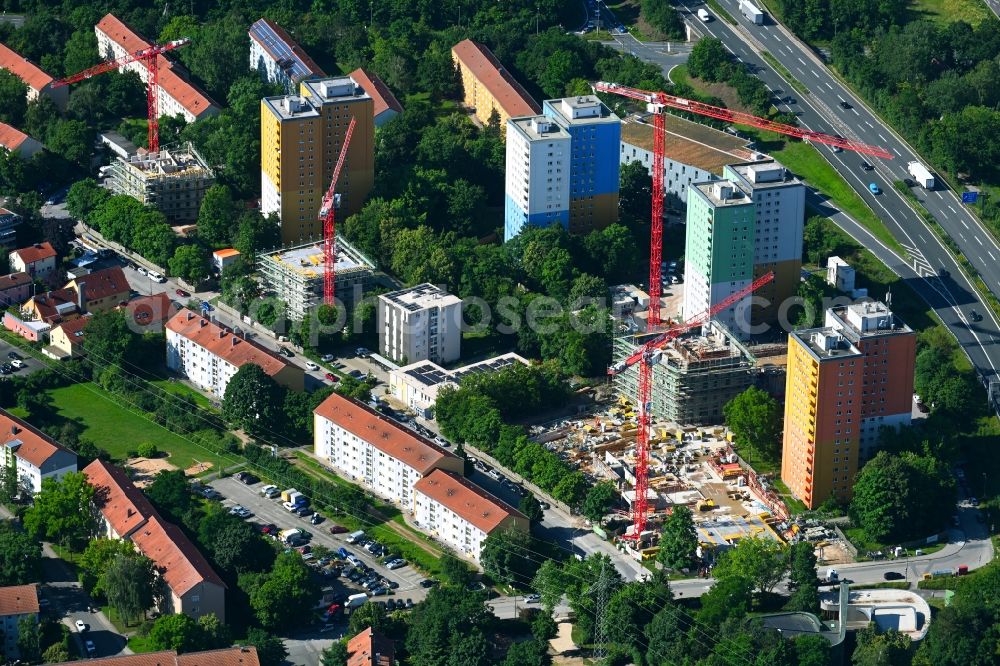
[[311, 365], [789, 100], [182, 293], [80, 625], [893, 575], [874, 188], [866, 166], [844, 105], [973, 314], [332, 377]]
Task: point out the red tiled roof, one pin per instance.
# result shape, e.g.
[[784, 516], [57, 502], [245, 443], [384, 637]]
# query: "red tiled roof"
[[11, 138], [36, 252], [147, 310], [46, 304], [466, 499], [370, 649], [292, 45], [234, 656], [171, 82], [36, 447], [18, 599], [71, 328], [119, 501], [14, 280], [382, 433], [103, 283], [182, 565], [23, 68], [489, 71], [224, 343], [376, 88]]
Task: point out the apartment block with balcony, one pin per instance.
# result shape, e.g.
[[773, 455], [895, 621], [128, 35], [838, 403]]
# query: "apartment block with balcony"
[[537, 174], [422, 323]]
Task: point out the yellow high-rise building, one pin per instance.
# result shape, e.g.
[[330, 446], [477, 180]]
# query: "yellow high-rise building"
[[300, 140]]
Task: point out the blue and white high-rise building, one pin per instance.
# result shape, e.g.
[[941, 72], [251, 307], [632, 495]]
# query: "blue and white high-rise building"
[[537, 179]]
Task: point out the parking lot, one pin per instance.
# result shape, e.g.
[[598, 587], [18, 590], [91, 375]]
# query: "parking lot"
[[271, 511], [30, 364]]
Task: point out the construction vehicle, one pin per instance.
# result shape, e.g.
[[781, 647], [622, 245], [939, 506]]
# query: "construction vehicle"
[[706, 505]]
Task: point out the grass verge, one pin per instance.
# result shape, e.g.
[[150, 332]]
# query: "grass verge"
[[781, 69], [946, 12], [857, 536], [180, 388], [887, 585], [722, 13]]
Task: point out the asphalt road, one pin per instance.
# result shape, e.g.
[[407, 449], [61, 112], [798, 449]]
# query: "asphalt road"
[[995, 6], [665, 54], [820, 112], [30, 364]]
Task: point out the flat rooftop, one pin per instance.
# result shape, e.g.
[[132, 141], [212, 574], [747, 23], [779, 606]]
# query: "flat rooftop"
[[421, 296], [722, 193], [826, 343], [335, 90], [179, 161], [765, 174], [290, 107], [307, 260], [583, 110], [538, 128], [688, 142], [867, 319]]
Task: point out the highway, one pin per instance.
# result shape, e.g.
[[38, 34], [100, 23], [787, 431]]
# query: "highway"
[[949, 292]]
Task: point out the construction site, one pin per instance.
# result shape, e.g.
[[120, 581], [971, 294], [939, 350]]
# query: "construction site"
[[173, 180], [295, 275]]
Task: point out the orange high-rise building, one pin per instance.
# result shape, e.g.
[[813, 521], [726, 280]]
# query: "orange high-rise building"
[[846, 381]]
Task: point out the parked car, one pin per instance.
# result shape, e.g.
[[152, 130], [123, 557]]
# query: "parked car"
[[392, 584], [141, 271], [13, 355], [379, 591], [246, 478], [156, 277], [409, 603], [285, 352], [241, 512], [362, 352], [429, 582], [395, 564], [270, 530], [337, 529], [311, 365], [303, 511], [182, 293], [81, 626], [332, 377], [91, 649], [316, 519], [327, 358], [270, 491], [390, 605]]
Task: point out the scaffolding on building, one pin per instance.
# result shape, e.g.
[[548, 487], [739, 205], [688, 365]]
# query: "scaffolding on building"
[[694, 377], [173, 180], [295, 275]]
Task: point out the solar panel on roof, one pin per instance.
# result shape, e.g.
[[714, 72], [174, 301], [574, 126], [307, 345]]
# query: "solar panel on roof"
[[283, 53]]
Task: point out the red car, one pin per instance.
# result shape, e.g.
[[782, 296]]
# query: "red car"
[[337, 529], [181, 292], [332, 377], [271, 530]]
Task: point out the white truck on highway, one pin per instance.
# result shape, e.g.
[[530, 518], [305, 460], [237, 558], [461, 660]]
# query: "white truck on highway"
[[704, 15], [921, 175], [752, 12]]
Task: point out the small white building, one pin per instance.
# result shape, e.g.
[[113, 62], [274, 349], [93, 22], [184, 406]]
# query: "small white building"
[[376, 451], [38, 260], [208, 355], [840, 274], [417, 384], [32, 453], [460, 513], [278, 58], [422, 323], [536, 174], [16, 602]]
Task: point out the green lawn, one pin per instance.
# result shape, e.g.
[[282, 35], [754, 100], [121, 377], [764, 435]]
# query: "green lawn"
[[972, 12], [180, 388], [117, 430]]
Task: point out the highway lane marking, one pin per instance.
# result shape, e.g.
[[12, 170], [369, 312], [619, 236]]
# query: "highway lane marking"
[[939, 195], [869, 124], [991, 255], [921, 236], [802, 61], [954, 211], [979, 240], [828, 85], [963, 223], [815, 74], [883, 138]]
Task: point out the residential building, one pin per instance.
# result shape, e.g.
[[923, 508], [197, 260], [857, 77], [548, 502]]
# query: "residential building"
[[295, 275], [208, 355], [174, 181], [386, 106], [52, 307], [595, 133], [694, 376], [845, 381], [15, 289], [537, 174], [375, 450], [460, 513], [117, 144], [31, 453], [301, 137], [9, 221], [32, 331], [422, 323], [416, 385], [66, 339], [278, 58], [101, 290], [18, 142], [371, 649], [39, 83], [719, 252], [240, 655], [488, 87], [17, 602], [693, 153], [223, 258], [38, 260], [192, 587], [780, 201], [176, 94], [840, 274], [150, 313]]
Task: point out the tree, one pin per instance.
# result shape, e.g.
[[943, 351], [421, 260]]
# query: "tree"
[[253, 400], [109, 340], [439, 624], [506, 557], [20, 556], [679, 540], [13, 98], [804, 581], [812, 650], [881, 649], [63, 511], [729, 597], [271, 649], [170, 491], [599, 500], [368, 615], [178, 632], [84, 196], [95, 559], [216, 215], [663, 17], [531, 508], [571, 488], [455, 570], [276, 596], [759, 560], [755, 419], [190, 263], [29, 638], [236, 547], [335, 655], [666, 636], [72, 139], [528, 653], [469, 649], [128, 583], [708, 59]]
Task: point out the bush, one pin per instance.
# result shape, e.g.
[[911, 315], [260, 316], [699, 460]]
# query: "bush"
[[147, 450]]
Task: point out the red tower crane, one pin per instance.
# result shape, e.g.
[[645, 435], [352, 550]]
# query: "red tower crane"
[[327, 213], [148, 57], [657, 103], [646, 356]]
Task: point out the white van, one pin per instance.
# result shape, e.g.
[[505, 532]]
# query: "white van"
[[156, 277], [354, 537], [704, 15]]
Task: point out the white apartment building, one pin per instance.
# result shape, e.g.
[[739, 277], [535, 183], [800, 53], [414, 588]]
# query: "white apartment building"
[[176, 94], [422, 323], [33, 454], [460, 513], [278, 58], [537, 174], [16, 603], [208, 355], [369, 448]]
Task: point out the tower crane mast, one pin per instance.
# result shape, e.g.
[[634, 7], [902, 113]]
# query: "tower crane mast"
[[327, 213]]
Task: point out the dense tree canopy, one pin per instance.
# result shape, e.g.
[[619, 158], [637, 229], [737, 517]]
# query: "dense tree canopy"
[[755, 419]]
